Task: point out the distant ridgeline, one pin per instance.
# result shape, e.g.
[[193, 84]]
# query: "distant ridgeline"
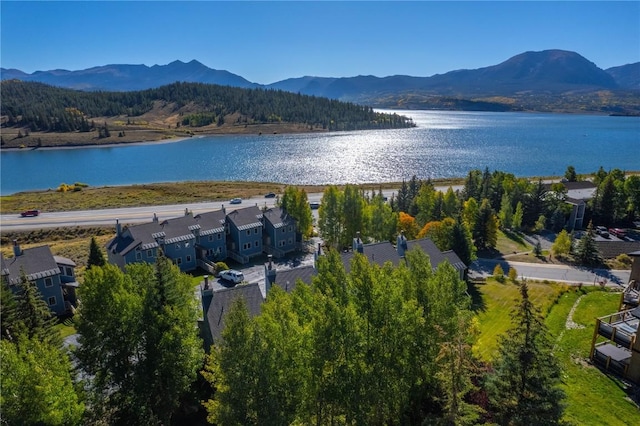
[[40, 107]]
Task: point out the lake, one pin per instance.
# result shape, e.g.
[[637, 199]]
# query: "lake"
[[444, 144]]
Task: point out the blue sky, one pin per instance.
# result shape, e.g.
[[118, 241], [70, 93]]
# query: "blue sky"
[[268, 41]]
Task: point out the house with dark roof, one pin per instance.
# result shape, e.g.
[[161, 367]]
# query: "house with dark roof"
[[279, 232], [54, 276], [140, 243], [244, 234], [215, 305], [615, 345], [578, 193], [209, 230]]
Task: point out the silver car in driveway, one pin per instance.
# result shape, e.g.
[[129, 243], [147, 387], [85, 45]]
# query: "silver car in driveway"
[[232, 275]]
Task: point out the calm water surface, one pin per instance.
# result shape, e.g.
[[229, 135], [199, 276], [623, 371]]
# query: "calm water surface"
[[445, 144]]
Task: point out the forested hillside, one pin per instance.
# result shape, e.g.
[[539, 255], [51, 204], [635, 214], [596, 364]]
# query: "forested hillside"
[[42, 108]]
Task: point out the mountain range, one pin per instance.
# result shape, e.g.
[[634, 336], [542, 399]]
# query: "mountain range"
[[546, 76]]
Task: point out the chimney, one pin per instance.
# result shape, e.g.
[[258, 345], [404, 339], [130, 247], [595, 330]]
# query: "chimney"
[[357, 243], [206, 282], [17, 251], [401, 244], [186, 211], [118, 228], [224, 210], [269, 274], [155, 218]]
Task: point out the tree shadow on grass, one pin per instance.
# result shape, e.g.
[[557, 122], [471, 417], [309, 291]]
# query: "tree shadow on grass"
[[477, 303], [515, 237]]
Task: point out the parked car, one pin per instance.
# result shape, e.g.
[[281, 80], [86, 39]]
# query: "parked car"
[[236, 201], [600, 230], [30, 213], [314, 205], [270, 195], [620, 233], [232, 275]]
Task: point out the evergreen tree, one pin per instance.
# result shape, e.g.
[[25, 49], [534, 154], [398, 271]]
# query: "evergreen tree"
[[587, 252], [524, 387], [138, 341], [9, 322], [96, 258], [570, 174], [485, 231], [172, 348], [462, 243], [33, 315]]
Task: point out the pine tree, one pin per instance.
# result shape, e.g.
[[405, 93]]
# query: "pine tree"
[[96, 258], [524, 386], [587, 252], [34, 316]]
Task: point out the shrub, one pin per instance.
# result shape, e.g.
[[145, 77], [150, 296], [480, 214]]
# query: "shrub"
[[220, 266], [513, 275], [498, 273], [624, 259]]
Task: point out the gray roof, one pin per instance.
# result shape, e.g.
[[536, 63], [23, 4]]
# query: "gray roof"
[[383, 252], [246, 218], [278, 217], [435, 255], [64, 261], [222, 301], [288, 278], [145, 236], [211, 222], [378, 253], [611, 249], [37, 262]]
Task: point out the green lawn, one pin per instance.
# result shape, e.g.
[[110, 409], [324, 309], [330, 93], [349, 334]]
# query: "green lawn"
[[498, 301], [593, 398]]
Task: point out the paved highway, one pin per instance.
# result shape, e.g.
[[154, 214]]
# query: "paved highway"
[[129, 215]]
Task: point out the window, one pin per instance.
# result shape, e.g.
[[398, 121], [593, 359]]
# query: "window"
[[178, 261], [211, 237], [248, 231], [219, 235], [149, 253], [138, 255], [257, 243], [188, 259], [255, 230], [69, 271], [290, 241], [290, 228], [178, 246], [284, 229], [52, 300], [48, 282]]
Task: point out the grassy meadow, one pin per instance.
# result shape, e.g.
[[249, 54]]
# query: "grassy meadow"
[[593, 398]]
